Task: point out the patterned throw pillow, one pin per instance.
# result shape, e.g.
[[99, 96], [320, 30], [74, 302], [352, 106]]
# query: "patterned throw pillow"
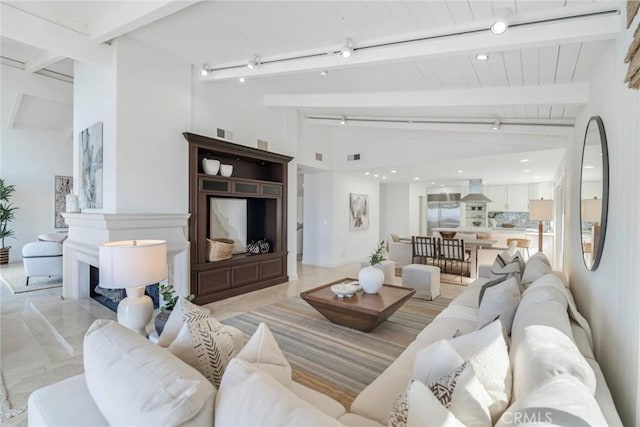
[[400, 409], [505, 267], [444, 387], [488, 285], [203, 343]]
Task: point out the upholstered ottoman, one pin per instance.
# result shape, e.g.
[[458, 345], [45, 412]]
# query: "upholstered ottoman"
[[425, 279], [387, 267]]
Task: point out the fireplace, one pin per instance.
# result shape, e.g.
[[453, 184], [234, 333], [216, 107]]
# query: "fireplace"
[[88, 230]]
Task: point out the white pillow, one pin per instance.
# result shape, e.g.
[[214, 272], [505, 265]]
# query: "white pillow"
[[418, 407], [535, 268], [207, 345], [137, 383], [543, 352], [540, 256], [469, 401], [500, 301], [506, 266], [248, 396], [176, 321], [262, 351], [487, 352], [560, 401]]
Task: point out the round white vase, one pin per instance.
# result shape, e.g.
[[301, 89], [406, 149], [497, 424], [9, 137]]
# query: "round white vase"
[[371, 279]]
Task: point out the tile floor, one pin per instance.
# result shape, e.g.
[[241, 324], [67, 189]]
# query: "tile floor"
[[41, 334]]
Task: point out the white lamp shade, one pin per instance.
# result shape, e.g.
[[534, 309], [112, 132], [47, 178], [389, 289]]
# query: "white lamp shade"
[[541, 210], [591, 210], [132, 263]]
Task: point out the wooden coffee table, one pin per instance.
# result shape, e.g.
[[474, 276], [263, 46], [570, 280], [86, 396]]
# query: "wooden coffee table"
[[361, 311]]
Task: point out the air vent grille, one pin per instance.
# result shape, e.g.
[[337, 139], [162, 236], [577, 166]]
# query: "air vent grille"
[[353, 157]]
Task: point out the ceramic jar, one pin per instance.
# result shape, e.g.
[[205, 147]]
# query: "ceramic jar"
[[371, 279], [210, 166]]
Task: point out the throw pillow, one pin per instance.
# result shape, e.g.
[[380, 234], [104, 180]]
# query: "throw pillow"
[[487, 352], [504, 267], [535, 269], [488, 285], [435, 361], [262, 352], [176, 320], [418, 407], [500, 300], [205, 344], [137, 383], [248, 396], [543, 352], [561, 400], [540, 256]]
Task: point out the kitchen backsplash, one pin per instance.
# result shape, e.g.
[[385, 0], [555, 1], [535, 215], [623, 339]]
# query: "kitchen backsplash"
[[518, 219]]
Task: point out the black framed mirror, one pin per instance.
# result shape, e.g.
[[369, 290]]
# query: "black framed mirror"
[[594, 192]]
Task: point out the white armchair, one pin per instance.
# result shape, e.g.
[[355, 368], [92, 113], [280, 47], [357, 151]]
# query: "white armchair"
[[400, 251], [42, 259]]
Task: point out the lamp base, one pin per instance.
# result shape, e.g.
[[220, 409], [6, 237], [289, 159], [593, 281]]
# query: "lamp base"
[[136, 310], [540, 231]]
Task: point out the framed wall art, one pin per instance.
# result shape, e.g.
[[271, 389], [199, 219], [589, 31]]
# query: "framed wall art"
[[358, 212], [90, 186], [63, 185]]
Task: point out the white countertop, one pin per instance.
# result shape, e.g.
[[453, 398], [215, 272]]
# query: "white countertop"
[[527, 231]]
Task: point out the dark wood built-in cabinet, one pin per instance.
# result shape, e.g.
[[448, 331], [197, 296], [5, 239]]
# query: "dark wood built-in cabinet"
[[260, 178]]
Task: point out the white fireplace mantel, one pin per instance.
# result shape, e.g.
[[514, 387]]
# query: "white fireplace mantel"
[[88, 230]]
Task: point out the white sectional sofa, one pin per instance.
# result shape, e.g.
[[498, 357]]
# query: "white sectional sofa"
[[551, 362]]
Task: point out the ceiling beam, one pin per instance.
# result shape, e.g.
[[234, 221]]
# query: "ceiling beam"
[[15, 107], [32, 30], [584, 29], [133, 15], [36, 85], [42, 61], [562, 94]]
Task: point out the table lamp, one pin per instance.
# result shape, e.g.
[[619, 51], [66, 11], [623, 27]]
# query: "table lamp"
[[540, 210], [591, 211], [132, 265]]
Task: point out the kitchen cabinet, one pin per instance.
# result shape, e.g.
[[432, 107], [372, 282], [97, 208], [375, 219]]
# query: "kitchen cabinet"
[[541, 190], [508, 198]]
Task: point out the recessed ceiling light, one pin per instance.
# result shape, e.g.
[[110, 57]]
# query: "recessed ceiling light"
[[375, 175], [393, 171], [416, 178], [587, 167], [526, 170], [441, 185], [482, 57], [460, 171], [432, 183], [524, 160], [537, 178], [324, 72], [241, 80], [367, 173], [384, 177]]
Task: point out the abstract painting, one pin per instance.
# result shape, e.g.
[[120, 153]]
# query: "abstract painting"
[[358, 212], [228, 219], [91, 167], [63, 185]]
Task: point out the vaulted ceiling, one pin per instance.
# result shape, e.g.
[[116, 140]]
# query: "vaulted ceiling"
[[413, 71]]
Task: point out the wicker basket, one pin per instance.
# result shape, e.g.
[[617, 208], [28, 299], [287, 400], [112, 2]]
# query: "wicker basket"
[[219, 249]]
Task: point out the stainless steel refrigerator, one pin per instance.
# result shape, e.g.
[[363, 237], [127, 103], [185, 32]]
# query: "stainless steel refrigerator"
[[443, 211]]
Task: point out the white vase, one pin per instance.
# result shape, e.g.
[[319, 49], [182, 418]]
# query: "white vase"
[[371, 279], [210, 166]]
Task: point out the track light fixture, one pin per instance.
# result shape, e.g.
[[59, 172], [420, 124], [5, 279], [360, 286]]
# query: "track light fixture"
[[253, 63], [496, 125], [501, 23], [347, 49], [205, 70], [343, 120]]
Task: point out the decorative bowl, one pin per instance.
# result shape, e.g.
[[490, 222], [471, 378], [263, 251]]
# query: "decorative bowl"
[[226, 170], [344, 289], [210, 166], [448, 234], [477, 223]]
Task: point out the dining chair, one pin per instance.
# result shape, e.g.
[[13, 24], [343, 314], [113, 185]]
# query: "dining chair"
[[424, 249], [522, 244], [453, 252]]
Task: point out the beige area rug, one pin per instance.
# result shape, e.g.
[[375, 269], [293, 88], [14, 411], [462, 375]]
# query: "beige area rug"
[[5, 406], [13, 276], [332, 359]]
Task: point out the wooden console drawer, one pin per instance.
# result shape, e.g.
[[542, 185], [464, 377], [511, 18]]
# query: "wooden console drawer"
[[245, 274]]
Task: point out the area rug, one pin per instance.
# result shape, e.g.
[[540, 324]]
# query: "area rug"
[[13, 276], [332, 359]]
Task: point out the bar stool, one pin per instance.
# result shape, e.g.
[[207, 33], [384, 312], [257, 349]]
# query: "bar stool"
[[521, 243]]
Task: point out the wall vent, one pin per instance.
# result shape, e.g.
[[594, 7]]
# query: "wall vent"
[[319, 157], [223, 133], [352, 157]]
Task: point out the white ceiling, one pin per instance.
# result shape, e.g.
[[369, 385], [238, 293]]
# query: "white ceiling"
[[538, 67]]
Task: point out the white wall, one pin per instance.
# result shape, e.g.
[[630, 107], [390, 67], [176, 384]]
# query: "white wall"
[[327, 239], [30, 158], [394, 210], [610, 296]]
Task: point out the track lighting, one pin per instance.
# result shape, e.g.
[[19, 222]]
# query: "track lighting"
[[501, 23], [205, 70], [343, 120], [347, 49], [496, 125], [253, 63]]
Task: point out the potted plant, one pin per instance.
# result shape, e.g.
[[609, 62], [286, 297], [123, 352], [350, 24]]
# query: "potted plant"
[[371, 278], [7, 210], [170, 299]]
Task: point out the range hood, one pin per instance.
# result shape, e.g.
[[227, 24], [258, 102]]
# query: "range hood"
[[475, 193]]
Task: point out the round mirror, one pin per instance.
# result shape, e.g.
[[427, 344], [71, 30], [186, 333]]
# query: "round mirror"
[[594, 192]]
